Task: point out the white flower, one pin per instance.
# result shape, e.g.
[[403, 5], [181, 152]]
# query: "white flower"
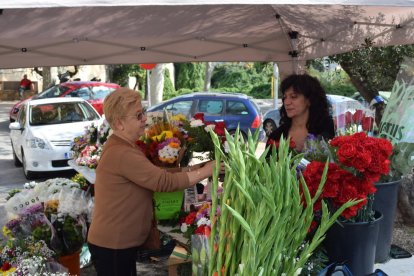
[[226, 147], [196, 123], [209, 128], [184, 227], [203, 221]]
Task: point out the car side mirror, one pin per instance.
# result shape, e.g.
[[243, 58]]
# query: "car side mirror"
[[15, 126]]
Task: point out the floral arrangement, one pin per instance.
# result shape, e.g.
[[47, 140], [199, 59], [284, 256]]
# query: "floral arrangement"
[[199, 132], [164, 142], [54, 211], [28, 257], [197, 222], [356, 162], [87, 148], [352, 122]]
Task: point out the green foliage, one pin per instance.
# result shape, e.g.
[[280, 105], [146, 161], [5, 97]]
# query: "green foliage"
[[12, 193], [122, 72], [253, 79], [375, 68], [335, 82], [190, 75], [169, 91]]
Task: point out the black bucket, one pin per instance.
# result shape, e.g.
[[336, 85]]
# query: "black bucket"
[[385, 201], [354, 244]]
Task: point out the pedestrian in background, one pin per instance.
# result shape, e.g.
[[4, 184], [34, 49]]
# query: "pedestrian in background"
[[25, 84]]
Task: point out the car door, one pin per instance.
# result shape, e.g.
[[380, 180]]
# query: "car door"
[[237, 113], [182, 106], [17, 136], [213, 109]]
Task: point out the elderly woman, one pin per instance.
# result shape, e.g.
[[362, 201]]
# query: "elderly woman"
[[125, 182]]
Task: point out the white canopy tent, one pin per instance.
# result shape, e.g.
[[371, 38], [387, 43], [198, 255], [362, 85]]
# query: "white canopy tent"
[[77, 32]]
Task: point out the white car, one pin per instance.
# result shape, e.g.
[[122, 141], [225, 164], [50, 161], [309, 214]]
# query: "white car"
[[42, 135], [339, 105]]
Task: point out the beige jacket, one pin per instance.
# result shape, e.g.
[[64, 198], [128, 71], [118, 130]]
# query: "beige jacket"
[[125, 182]]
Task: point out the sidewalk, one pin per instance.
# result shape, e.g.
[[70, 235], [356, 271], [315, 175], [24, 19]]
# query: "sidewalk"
[[398, 267]]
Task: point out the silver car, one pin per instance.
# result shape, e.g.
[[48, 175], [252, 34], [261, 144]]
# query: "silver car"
[[272, 117]]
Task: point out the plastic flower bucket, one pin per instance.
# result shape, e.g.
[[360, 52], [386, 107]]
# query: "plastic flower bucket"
[[168, 205]]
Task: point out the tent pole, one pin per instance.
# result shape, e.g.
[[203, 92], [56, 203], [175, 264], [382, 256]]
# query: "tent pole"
[[275, 84]]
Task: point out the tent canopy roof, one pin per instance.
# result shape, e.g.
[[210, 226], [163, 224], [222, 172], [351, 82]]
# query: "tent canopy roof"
[[102, 32]]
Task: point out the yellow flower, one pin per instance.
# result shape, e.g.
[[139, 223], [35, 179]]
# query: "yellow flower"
[[164, 135], [52, 205], [8, 272], [178, 117], [7, 232]]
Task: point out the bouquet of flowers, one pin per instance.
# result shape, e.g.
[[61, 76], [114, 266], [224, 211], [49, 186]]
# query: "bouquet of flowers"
[[28, 257], [197, 222], [54, 211], [87, 148], [164, 142], [356, 162], [351, 122], [199, 132]]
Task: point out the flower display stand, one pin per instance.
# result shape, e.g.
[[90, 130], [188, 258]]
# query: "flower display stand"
[[354, 244], [385, 201], [71, 262]]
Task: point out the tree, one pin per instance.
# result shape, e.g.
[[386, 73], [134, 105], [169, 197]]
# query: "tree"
[[209, 73], [372, 69], [189, 76], [46, 76]]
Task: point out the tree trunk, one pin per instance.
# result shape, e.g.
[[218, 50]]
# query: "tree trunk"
[[47, 77], [405, 211], [209, 73], [157, 84]]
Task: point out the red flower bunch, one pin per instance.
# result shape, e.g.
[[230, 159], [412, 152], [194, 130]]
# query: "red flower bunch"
[[357, 162], [349, 123], [197, 222]]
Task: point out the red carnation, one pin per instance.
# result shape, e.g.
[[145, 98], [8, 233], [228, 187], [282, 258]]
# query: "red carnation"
[[199, 116], [190, 218]]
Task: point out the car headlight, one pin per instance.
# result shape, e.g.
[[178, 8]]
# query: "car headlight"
[[37, 143]]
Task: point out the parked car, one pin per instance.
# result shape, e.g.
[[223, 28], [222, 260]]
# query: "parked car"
[[272, 117], [42, 135], [92, 91], [232, 108]]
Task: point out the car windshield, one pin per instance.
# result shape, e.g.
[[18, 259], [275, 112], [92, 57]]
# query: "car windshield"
[[100, 92], [52, 92], [61, 113]]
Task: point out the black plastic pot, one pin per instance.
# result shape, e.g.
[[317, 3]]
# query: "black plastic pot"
[[385, 201], [354, 244]]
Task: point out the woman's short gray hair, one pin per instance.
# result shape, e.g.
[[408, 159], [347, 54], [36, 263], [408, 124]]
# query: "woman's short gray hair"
[[117, 104]]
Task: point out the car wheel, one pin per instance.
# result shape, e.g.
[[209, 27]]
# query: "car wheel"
[[28, 174], [269, 126], [16, 160]]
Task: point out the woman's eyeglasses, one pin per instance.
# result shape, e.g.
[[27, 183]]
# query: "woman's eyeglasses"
[[139, 115]]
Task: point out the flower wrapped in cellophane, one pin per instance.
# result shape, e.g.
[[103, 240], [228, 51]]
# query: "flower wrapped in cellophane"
[[352, 117], [164, 142], [54, 211], [87, 148]]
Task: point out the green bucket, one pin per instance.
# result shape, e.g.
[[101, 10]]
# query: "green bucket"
[[168, 205]]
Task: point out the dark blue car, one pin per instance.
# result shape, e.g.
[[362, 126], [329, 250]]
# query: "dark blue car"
[[232, 108]]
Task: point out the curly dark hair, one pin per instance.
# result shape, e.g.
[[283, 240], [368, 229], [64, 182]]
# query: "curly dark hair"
[[312, 90]]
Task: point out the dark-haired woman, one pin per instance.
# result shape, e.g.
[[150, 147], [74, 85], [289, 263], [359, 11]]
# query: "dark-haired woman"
[[305, 110]]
